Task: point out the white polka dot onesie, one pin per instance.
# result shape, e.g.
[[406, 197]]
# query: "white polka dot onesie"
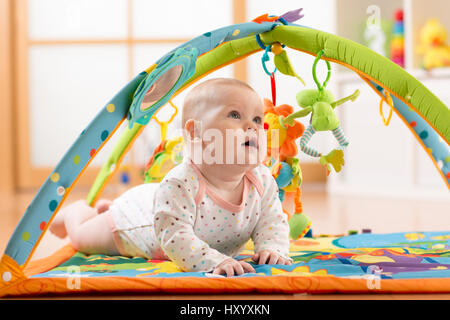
[[183, 220]]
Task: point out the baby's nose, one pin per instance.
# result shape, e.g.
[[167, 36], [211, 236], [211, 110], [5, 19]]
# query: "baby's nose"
[[251, 126]]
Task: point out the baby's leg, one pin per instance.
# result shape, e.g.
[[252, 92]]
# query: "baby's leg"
[[89, 231], [58, 227]]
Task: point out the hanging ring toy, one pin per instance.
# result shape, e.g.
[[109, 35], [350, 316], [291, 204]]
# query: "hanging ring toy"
[[164, 124], [320, 87], [266, 58]]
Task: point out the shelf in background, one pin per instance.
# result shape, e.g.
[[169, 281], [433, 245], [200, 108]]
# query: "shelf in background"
[[352, 16]]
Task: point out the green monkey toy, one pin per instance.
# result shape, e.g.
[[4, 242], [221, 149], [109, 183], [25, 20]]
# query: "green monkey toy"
[[321, 104]]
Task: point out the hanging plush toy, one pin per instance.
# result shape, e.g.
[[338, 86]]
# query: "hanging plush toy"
[[281, 158], [282, 62], [167, 154], [321, 104], [165, 157], [281, 148]]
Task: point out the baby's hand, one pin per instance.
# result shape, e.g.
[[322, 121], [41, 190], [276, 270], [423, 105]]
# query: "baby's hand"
[[270, 257], [231, 266]]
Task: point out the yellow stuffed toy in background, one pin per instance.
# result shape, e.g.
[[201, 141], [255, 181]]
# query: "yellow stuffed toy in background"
[[433, 47]]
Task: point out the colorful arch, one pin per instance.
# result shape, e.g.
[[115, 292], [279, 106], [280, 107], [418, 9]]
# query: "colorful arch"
[[426, 116]]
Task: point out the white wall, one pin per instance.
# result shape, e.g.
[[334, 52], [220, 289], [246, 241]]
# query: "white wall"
[[70, 84]]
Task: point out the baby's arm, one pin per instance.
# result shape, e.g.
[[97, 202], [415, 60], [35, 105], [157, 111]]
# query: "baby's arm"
[[271, 232], [174, 228]]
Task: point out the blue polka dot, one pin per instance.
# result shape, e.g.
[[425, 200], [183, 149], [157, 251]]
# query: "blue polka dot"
[[165, 59], [104, 135], [52, 205], [207, 34], [423, 135]]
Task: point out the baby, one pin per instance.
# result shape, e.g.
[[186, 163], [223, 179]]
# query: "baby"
[[207, 208]]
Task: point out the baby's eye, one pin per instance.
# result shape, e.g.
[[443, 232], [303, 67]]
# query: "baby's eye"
[[257, 120], [234, 115]]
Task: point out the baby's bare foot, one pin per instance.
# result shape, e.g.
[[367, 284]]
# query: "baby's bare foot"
[[57, 226], [103, 205]]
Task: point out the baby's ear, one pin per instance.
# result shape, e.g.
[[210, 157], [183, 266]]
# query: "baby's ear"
[[192, 129], [189, 129]]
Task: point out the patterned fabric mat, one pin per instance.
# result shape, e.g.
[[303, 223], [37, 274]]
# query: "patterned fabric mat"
[[415, 255]]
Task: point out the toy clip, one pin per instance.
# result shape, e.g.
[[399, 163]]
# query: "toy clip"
[[391, 104]]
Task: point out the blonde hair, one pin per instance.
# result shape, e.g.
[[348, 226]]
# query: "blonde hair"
[[202, 95]]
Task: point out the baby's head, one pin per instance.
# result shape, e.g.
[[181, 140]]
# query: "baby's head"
[[223, 119]]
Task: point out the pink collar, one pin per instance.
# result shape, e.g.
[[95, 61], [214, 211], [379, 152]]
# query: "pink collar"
[[249, 178]]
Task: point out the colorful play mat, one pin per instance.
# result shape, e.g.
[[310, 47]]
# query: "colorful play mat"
[[362, 263], [404, 262]]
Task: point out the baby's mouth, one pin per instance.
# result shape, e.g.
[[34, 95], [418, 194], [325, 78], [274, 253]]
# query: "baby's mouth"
[[250, 143]]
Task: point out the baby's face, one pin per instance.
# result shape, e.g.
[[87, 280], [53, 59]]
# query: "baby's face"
[[232, 128]]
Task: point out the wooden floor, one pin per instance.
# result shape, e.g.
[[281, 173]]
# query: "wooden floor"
[[329, 215]]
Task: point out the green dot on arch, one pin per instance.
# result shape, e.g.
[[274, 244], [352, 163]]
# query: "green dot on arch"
[[76, 159], [25, 236]]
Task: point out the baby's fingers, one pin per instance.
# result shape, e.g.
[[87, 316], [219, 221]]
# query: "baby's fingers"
[[263, 257], [274, 258], [283, 261], [238, 268], [229, 270], [247, 267], [217, 271]]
